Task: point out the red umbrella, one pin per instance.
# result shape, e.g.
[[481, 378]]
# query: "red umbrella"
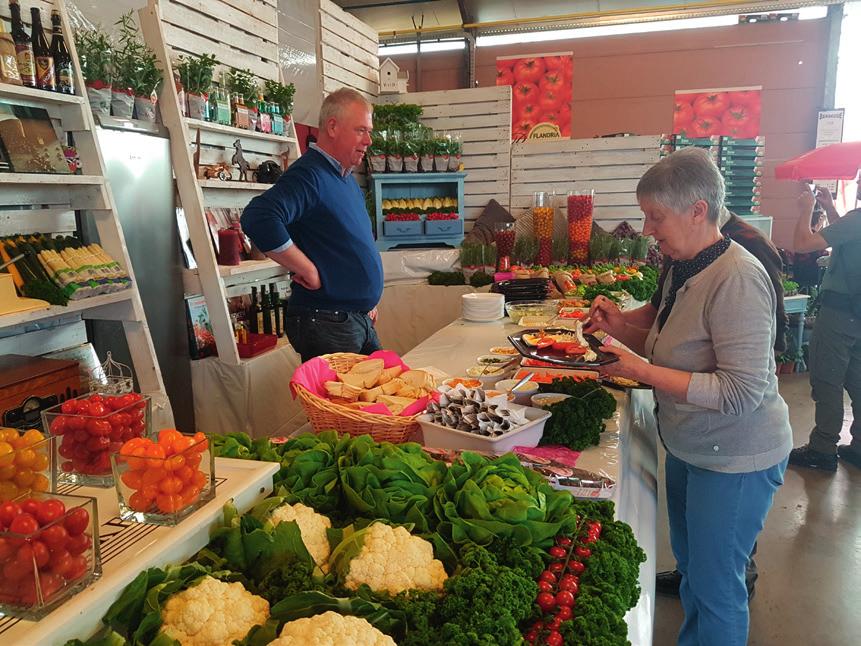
[[837, 161]]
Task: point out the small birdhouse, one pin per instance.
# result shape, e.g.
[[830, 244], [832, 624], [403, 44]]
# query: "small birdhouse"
[[392, 79]]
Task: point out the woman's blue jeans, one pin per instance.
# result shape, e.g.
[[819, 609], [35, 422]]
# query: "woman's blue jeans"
[[714, 521]]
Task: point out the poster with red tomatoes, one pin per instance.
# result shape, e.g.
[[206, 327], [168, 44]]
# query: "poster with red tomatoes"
[[730, 112], [540, 94]]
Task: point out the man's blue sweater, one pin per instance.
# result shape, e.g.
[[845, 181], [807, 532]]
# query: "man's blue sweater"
[[324, 214]]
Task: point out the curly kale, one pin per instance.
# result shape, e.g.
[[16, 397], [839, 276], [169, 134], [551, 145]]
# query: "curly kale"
[[642, 290], [289, 578], [529, 560], [483, 605], [577, 422]]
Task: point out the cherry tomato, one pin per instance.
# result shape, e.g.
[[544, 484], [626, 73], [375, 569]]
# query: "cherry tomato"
[[565, 613], [557, 552], [77, 521], [553, 639], [76, 423], [590, 538], [15, 570], [97, 409], [595, 526], [545, 586], [101, 463], [174, 462], [61, 562], [554, 623], [6, 549], [168, 503], [530, 637], [547, 575], [69, 407], [557, 567], [167, 436], [99, 427], [78, 544], [24, 524], [30, 506], [576, 567], [564, 598], [569, 583], [583, 552], [77, 567], [545, 601], [49, 584], [153, 476], [133, 479], [185, 473], [193, 460], [139, 502], [50, 510], [98, 443], [201, 442], [59, 425], [183, 444], [40, 553], [54, 536], [563, 541], [8, 511], [170, 485]]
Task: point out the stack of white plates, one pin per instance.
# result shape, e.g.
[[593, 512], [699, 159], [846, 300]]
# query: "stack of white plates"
[[482, 308]]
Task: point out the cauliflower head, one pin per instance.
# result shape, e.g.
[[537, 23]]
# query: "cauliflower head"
[[212, 613], [312, 526], [393, 560], [331, 629]]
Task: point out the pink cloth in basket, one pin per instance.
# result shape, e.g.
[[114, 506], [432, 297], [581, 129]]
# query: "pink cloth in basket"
[[313, 375]]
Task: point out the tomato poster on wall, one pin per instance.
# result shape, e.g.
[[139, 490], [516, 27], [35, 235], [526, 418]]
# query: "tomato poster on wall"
[[540, 94], [731, 112]]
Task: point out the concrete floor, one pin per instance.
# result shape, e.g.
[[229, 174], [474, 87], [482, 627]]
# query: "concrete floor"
[[809, 557]]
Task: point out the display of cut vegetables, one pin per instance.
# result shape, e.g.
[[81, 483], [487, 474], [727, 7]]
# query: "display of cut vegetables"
[[61, 269]]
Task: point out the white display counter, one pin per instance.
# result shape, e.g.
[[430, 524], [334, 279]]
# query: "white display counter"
[[627, 453]]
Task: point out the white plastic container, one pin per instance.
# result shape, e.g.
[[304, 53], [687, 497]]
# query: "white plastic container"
[[441, 437]]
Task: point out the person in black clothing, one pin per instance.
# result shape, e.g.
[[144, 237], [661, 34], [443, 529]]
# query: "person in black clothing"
[[764, 250]]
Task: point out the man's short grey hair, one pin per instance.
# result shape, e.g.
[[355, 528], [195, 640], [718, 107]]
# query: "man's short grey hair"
[[681, 179], [334, 104]]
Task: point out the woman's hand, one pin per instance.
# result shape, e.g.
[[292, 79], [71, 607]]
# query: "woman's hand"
[[605, 315], [629, 365]]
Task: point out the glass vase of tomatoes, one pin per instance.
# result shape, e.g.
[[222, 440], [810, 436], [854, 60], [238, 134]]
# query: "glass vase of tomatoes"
[[25, 463], [49, 550], [162, 480], [580, 207], [88, 429]]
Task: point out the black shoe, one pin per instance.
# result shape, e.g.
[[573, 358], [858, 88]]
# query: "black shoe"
[[668, 583], [850, 455], [806, 457]]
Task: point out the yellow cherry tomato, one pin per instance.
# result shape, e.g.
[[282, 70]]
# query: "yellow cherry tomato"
[[41, 462], [8, 472], [8, 434], [40, 483], [8, 490], [32, 437], [25, 458], [7, 454], [24, 478]]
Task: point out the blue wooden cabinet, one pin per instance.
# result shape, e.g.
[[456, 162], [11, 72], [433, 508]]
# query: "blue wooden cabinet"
[[394, 186]]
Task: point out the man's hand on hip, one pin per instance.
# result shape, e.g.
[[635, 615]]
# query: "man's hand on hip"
[[308, 277]]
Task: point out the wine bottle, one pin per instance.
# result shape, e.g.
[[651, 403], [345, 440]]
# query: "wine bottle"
[[254, 313], [41, 53], [62, 57], [23, 47], [276, 310], [267, 311], [8, 58]]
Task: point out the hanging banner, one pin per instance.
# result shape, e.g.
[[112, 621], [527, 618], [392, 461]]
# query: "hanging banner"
[[730, 112], [541, 90]]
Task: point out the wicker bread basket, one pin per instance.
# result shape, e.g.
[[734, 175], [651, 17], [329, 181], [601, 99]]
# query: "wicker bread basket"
[[325, 415]]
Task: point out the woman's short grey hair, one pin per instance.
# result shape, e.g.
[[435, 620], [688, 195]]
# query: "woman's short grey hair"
[[334, 104], [681, 179]]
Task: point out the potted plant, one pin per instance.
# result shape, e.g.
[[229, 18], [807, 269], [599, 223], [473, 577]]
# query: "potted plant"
[[377, 152], [282, 95], [426, 150], [95, 53], [786, 362], [639, 249], [441, 153], [790, 287], [410, 150], [455, 148], [470, 262], [244, 84], [195, 72], [394, 155], [137, 72]]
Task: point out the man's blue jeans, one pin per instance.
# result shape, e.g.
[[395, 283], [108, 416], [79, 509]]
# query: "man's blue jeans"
[[313, 332], [714, 521]]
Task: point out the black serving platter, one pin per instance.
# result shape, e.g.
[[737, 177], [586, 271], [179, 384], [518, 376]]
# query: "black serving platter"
[[560, 358]]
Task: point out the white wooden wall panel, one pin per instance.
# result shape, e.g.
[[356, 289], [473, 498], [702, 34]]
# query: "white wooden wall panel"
[[482, 116], [611, 167], [240, 33]]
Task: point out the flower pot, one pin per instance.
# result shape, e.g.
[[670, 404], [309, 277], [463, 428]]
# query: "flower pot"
[[198, 106], [145, 108], [99, 94], [122, 103]]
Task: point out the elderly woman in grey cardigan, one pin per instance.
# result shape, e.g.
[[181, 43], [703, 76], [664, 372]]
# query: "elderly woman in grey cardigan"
[[720, 417]]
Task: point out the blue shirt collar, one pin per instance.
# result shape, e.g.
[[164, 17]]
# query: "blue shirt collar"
[[343, 172]]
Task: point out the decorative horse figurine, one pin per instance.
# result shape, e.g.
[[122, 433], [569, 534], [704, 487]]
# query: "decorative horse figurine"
[[239, 160]]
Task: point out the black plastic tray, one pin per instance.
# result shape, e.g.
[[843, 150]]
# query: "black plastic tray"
[[560, 358]]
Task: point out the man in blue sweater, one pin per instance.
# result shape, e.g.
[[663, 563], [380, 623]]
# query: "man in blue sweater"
[[313, 221]]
